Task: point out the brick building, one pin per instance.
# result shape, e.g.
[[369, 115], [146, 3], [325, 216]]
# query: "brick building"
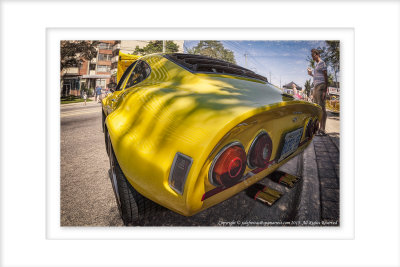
[[102, 69], [97, 72]]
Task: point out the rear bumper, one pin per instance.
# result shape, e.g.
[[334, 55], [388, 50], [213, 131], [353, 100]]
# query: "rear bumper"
[[219, 194]]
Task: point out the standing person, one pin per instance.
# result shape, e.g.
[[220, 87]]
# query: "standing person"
[[320, 86], [84, 96], [98, 93]]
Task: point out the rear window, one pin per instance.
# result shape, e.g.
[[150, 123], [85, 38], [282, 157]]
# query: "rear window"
[[140, 72], [204, 64]]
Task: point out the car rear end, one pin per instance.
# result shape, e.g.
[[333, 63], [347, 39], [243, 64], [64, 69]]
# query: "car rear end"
[[246, 154], [192, 142], [253, 149]]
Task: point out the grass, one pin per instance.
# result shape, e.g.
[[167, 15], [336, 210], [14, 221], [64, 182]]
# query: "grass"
[[73, 99]]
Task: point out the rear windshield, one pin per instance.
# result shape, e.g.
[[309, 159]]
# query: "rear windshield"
[[203, 64]]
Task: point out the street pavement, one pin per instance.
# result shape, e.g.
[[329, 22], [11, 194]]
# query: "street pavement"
[[87, 198]]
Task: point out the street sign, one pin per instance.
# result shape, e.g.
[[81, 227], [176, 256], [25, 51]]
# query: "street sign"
[[333, 91]]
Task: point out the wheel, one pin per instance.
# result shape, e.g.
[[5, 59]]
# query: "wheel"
[[132, 206], [103, 119]]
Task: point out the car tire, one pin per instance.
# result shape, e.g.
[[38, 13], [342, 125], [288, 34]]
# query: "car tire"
[[103, 119], [132, 206]]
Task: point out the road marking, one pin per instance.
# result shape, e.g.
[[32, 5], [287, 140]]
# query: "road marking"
[[78, 112]]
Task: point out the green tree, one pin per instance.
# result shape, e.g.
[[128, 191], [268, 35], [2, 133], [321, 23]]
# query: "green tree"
[[156, 47], [330, 79], [307, 87], [214, 49], [74, 52], [332, 56]]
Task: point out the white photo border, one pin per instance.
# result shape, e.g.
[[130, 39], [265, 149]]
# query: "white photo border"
[[23, 230], [344, 231]]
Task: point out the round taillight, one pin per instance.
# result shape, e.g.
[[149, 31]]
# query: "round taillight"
[[228, 165], [260, 151]]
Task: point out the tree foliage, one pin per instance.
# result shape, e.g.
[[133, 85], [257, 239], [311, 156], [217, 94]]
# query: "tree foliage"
[[330, 79], [307, 87], [74, 52], [156, 47], [332, 54], [214, 49]]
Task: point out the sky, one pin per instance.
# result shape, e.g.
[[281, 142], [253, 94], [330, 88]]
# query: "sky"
[[282, 61]]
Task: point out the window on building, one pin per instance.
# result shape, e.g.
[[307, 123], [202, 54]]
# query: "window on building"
[[140, 72], [101, 83], [104, 57], [104, 46], [103, 68], [92, 67]]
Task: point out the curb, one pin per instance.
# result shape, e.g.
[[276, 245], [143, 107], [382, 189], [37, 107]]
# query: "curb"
[[335, 140], [80, 103], [310, 202]]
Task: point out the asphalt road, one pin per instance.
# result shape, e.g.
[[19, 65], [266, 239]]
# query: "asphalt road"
[[87, 198]]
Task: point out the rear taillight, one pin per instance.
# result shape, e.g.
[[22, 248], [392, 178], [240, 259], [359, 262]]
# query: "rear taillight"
[[260, 151], [228, 165]]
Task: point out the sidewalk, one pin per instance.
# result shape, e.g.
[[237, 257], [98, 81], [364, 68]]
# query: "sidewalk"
[[81, 103], [328, 158], [327, 154]]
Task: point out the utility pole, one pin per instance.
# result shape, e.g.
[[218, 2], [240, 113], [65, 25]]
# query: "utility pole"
[[280, 82], [270, 77], [245, 60], [163, 46]]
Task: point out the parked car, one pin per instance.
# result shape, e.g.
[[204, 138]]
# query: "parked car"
[[188, 131]]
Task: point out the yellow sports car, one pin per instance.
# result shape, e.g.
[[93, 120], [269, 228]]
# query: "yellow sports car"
[[188, 131]]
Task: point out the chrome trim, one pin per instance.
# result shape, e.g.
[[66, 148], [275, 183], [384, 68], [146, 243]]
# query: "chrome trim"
[[235, 143], [172, 170], [251, 147]]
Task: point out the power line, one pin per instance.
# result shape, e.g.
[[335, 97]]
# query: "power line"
[[253, 58], [235, 45]]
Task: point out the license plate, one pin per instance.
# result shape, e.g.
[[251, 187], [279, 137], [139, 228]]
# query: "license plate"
[[291, 143]]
